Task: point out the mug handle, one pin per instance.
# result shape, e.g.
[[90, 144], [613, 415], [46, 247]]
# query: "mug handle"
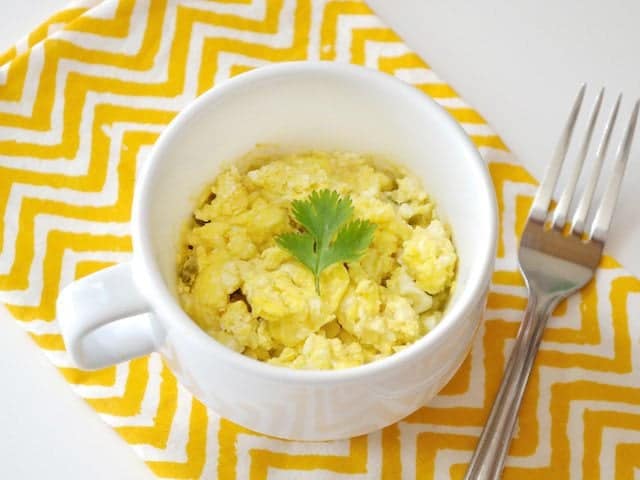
[[104, 319]]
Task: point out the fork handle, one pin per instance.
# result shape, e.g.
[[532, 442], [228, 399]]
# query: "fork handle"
[[491, 452]]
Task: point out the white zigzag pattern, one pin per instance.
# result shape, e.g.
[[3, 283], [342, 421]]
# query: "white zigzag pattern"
[[510, 191], [474, 395], [375, 50], [107, 10], [408, 439], [346, 25], [44, 223], [611, 438], [106, 391], [24, 106], [66, 67], [150, 402], [228, 59], [314, 47], [178, 433], [106, 196], [254, 10], [128, 45], [19, 192], [210, 469], [374, 461]]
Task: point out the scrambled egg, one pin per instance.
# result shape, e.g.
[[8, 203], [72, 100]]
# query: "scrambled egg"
[[255, 298]]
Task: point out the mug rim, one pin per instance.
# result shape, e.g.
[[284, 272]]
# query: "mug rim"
[[152, 284]]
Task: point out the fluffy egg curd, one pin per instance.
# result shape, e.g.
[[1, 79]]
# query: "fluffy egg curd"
[[254, 297]]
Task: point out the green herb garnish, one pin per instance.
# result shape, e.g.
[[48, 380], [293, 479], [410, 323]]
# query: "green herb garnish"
[[327, 238]]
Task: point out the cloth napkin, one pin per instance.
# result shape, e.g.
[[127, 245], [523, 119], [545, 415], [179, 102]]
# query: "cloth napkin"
[[82, 100]]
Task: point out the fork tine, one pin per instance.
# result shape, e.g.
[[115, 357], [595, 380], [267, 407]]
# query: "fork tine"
[[602, 220], [580, 215], [546, 188], [561, 210]]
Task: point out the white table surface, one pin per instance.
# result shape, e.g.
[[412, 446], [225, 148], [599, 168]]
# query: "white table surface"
[[518, 63]]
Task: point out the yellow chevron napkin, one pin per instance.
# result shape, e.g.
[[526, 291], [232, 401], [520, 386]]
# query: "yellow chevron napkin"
[[83, 98]]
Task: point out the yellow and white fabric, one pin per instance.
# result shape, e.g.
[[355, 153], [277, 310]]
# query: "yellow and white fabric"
[[84, 97]]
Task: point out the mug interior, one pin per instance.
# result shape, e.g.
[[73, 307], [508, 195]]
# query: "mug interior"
[[302, 106]]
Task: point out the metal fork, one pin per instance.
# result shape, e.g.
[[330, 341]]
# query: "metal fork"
[[556, 260]]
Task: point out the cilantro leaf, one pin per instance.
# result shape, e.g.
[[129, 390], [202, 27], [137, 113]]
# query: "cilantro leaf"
[[301, 246], [350, 243], [326, 240], [322, 213]]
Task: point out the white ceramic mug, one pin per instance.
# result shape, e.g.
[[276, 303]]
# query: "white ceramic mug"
[[132, 309]]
